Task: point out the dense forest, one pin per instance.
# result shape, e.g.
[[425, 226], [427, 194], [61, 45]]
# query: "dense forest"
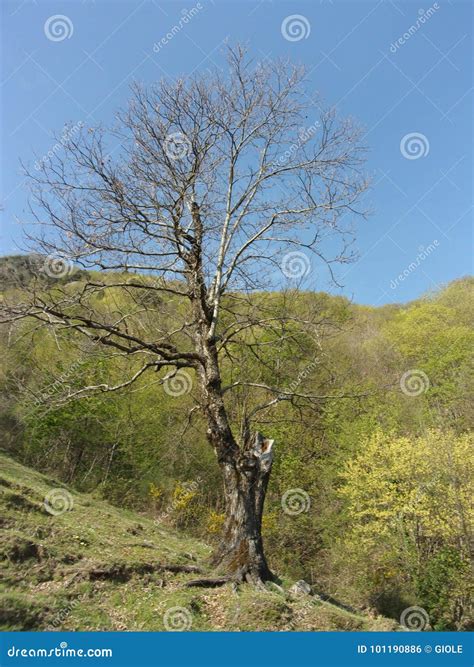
[[371, 494]]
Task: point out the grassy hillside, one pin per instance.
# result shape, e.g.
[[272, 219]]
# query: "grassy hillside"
[[396, 417], [97, 567]]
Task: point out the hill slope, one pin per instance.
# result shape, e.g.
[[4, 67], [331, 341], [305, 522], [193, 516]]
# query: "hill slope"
[[97, 567]]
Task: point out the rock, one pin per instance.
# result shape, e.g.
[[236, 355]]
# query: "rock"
[[301, 587]]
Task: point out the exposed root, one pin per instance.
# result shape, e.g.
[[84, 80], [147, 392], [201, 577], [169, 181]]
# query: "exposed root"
[[118, 572], [210, 583], [123, 572], [179, 568], [236, 579]]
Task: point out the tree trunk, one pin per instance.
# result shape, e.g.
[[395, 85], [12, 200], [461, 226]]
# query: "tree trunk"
[[240, 552], [245, 470]]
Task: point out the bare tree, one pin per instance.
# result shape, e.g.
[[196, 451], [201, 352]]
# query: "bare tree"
[[198, 197]]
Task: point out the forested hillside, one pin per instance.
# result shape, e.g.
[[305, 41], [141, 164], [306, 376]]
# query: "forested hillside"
[[371, 494]]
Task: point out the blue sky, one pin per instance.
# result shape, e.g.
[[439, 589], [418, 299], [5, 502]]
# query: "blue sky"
[[421, 194]]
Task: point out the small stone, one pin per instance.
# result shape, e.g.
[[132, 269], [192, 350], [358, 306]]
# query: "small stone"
[[301, 587]]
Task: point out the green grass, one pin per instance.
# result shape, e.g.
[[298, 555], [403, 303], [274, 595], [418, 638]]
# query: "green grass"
[[97, 567]]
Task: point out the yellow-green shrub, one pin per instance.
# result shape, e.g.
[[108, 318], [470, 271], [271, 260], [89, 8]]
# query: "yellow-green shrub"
[[409, 509]]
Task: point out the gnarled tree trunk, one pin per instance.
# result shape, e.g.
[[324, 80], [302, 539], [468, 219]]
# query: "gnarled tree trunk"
[[246, 471], [240, 551]]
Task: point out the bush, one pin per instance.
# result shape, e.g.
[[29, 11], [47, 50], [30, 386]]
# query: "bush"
[[408, 510]]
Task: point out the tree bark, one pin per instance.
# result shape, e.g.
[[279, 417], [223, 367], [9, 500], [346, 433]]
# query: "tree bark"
[[240, 551], [246, 469]]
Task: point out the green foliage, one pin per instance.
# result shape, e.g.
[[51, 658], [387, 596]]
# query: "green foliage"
[[357, 539], [408, 505]]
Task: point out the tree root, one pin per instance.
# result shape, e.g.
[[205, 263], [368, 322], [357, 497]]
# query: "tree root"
[[123, 572], [236, 579], [179, 568], [211, 582]]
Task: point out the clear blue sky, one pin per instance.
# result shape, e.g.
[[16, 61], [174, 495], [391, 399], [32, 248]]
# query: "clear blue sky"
[[422, 86]]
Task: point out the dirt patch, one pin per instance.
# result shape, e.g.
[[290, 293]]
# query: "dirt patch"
[[18, 501], [19, 549], [20, 613]]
